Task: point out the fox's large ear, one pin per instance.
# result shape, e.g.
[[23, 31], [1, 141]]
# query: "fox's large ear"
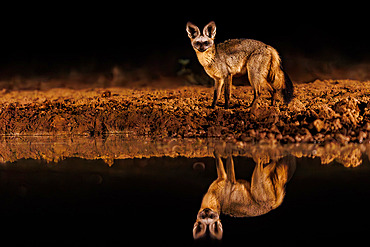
[[210, 30], [199, 230], [193, 31], [216, 230]]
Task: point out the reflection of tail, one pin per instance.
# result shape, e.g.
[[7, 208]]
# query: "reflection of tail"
[[279, 181], [283, 173]]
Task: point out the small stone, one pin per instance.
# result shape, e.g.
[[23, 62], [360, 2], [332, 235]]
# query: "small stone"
[[319, 124]]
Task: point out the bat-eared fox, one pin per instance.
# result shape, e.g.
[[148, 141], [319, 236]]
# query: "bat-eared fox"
[[236, 57]]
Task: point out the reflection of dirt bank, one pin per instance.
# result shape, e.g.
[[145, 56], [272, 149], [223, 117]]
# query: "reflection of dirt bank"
[[323, 111], [54, 149]]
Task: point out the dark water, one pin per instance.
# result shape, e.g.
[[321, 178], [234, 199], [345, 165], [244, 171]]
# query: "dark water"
[[141, 201]]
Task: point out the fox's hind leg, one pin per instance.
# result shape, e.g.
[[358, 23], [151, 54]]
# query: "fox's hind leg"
[[256, 81], [261, 185], [257, 73], [256, 94], [230, 169], [221, 174]]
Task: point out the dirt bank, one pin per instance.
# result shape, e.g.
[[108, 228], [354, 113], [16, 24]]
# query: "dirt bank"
[[322, 111]]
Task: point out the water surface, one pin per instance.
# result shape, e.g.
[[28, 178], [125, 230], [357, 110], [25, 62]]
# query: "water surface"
[[114, 192]]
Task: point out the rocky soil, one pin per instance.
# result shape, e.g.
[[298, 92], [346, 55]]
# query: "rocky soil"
[[322, 111]]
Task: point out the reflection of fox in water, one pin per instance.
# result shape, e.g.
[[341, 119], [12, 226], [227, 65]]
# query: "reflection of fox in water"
[[240, 198], [237, 57]]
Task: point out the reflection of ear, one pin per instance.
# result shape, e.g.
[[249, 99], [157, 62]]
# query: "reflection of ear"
[[199, 230], [193, 31], [210, 30], [216, 230]]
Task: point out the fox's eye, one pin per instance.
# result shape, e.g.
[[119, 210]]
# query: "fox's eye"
[[206, 43]]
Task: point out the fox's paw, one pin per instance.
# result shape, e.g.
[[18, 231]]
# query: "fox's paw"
[[213, 106]]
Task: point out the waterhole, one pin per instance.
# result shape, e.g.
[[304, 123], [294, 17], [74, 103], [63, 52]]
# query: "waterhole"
[[61, 191]]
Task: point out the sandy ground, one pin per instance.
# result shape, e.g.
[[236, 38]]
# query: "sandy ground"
[[322, 111]]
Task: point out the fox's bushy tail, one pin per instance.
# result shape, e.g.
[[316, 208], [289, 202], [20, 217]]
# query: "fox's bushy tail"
[[288, 90], [279, 79]]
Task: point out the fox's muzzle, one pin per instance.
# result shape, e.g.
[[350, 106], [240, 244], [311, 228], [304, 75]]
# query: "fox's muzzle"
[[201, 49], [208, 214]]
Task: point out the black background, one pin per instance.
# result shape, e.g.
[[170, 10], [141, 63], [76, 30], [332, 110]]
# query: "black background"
[[46, 37]]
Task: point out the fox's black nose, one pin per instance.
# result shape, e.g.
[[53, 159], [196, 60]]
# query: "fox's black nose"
[[207, 211]]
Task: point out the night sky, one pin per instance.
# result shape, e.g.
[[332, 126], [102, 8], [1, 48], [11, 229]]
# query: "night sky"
[[66, 34]]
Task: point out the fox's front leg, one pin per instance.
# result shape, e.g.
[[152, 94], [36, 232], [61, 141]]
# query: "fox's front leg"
[[228, 83], [217, 91]]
